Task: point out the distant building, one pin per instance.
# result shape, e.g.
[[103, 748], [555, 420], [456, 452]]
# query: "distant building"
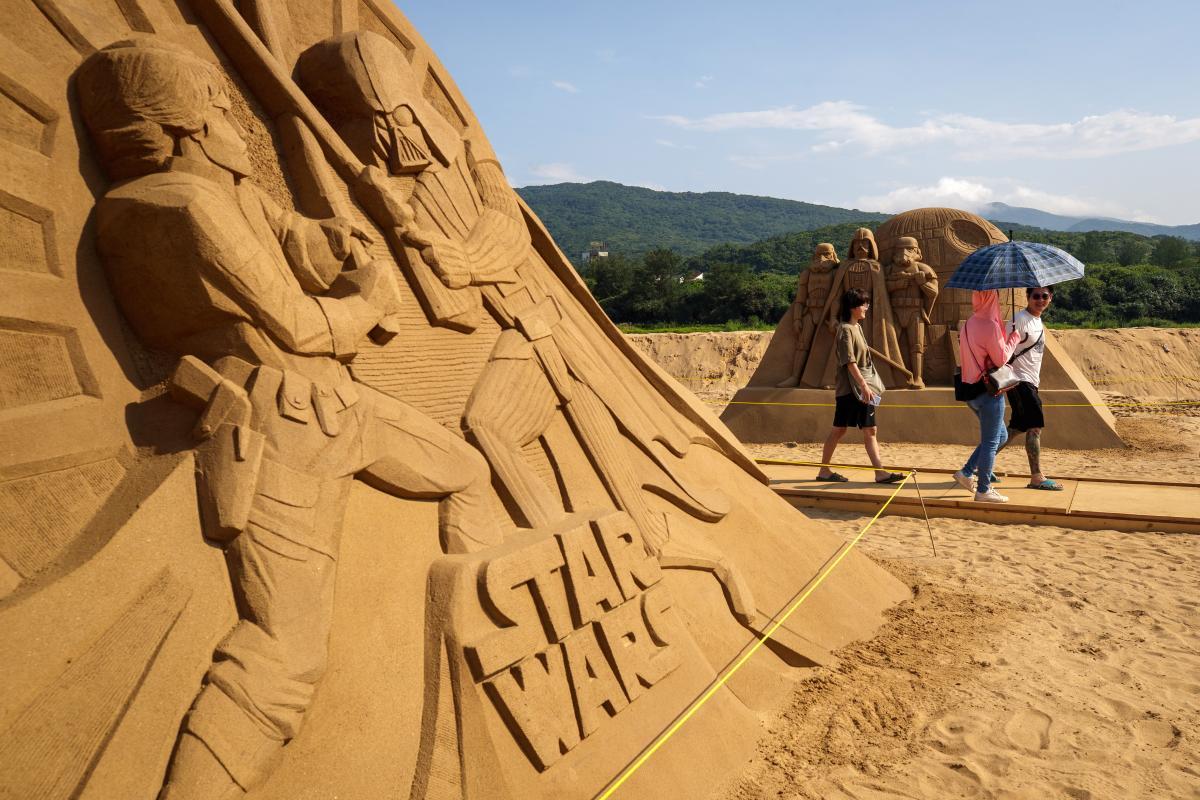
[[595, 250]]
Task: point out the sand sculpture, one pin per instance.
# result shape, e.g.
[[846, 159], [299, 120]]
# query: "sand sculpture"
[[808, 307], [862, 270], [912, 329], [322, 473], [912, 293]]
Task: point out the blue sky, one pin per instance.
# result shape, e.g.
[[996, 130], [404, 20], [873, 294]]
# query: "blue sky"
[[1083, 108]]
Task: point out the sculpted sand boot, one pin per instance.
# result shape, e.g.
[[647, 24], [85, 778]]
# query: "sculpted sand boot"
[[918, 364]]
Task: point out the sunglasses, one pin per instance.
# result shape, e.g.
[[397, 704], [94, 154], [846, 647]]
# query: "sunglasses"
[[1040, 296]]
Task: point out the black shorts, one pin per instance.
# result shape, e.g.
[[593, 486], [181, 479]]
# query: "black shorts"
[[850, 412], [1026, 408]]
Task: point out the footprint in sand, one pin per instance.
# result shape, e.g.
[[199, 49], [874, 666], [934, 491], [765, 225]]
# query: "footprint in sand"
[[1029, 729], [1155, 732]]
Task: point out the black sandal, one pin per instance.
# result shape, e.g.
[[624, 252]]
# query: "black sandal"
[[893, 477], [833, 477]]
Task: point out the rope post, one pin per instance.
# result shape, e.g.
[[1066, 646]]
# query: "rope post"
[[924, 511]]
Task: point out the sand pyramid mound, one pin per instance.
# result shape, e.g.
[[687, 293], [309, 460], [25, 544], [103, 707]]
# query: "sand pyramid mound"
[[323, 473]]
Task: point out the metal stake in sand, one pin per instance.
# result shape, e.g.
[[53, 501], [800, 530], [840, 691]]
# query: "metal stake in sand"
[[924, 511]]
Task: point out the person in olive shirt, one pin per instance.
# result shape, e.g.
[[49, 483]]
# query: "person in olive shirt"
[[855, 371]]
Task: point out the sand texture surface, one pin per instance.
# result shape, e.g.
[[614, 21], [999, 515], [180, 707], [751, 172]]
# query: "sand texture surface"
[[1033, 661]]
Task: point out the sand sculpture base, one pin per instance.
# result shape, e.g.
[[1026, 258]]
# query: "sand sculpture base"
[[925, 416], [1076, 415]]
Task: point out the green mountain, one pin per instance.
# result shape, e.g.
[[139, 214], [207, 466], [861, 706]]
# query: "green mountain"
[[632, 220]]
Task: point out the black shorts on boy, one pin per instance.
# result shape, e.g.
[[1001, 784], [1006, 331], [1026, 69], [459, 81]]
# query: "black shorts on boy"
[[850, 412], [1026, 408]]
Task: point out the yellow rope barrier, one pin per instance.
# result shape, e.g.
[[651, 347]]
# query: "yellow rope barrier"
[[1180, 404], [758, 643]]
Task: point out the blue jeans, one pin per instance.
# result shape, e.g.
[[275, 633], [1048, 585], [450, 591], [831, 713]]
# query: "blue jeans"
[[992, 436]]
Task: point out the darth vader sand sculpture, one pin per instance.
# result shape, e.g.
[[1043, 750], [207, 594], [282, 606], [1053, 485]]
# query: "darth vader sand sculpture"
[[323, 473], [911, 328]]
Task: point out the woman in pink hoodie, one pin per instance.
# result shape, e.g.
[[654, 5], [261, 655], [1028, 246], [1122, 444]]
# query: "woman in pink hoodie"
[[983, 344]]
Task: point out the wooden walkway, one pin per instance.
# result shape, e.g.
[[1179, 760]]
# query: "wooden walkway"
[[1084, 503]]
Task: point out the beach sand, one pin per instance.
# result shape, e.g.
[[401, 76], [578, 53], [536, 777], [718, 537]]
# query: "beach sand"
[[1032, 662]]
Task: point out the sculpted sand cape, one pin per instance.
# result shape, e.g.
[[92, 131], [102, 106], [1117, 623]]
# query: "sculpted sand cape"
[[323, 474]]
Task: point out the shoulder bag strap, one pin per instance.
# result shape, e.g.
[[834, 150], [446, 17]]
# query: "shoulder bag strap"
[[982, 371], [1015, 356]]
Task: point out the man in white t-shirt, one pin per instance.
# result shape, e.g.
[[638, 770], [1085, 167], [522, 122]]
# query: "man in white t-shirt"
[[1024, 399]]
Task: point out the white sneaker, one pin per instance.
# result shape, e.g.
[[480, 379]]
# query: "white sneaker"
[[965, 481], [990, 496]]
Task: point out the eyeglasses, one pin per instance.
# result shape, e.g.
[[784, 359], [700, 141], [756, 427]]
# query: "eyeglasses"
[[1040, 296]]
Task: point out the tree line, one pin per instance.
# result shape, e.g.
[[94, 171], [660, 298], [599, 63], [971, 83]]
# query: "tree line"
[[1131, 280]]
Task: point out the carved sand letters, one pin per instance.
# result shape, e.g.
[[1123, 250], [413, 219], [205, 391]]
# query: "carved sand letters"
[[586, 635]]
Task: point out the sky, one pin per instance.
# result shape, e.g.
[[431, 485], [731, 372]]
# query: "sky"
[[1078, 108]]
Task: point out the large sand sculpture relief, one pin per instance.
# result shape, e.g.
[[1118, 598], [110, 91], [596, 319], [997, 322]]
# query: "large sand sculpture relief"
[[323, 475], [912, 328]]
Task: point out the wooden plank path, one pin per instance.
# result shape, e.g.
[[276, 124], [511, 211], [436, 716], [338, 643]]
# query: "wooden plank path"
[[1084, 503]]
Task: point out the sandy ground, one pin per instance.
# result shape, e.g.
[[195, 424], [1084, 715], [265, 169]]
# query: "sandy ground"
[[1033, 661]]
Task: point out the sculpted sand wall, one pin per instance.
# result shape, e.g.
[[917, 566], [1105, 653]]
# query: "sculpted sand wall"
[[321, 473]]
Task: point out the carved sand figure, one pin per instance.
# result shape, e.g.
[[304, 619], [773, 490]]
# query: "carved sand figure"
[[812, 292], [862, 271], [462, 214], [913, 290], [208, 267]]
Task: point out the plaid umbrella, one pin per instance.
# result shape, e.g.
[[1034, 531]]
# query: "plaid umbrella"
[[1015, 265]]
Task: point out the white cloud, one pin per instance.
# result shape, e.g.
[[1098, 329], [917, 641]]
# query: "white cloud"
[[703, 81], [843, 124], [972, 195], [558, 172], [607, 55], [674, 145], [565, 86], [519, 71]]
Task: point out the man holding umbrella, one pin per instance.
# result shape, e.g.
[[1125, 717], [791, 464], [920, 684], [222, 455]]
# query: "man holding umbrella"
[[1025, 400], [1004, 266]]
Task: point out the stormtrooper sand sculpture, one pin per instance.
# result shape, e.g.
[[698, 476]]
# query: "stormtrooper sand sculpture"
[[808, 307], [913, 290]]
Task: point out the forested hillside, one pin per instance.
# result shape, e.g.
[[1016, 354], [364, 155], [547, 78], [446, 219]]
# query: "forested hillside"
[[1130, 279], [632, 220]]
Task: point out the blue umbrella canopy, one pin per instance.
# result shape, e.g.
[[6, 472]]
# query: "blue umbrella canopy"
[[1015, 265]]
